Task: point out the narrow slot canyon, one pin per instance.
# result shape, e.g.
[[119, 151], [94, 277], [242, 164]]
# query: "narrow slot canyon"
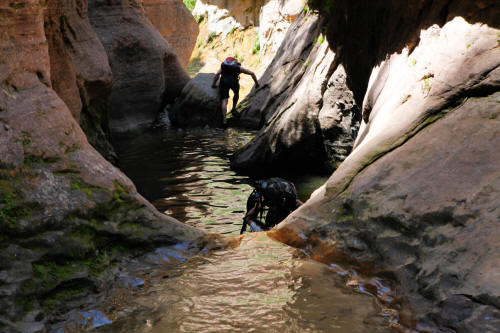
[[126, 200]]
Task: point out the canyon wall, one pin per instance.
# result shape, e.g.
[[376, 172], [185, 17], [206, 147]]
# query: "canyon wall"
[[176, 24], [66, 214], [417, 199], [79, 70], [147, 73], [269, 18], [306, 113]]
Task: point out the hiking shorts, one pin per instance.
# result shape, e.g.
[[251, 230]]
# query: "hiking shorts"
[[224, 89]]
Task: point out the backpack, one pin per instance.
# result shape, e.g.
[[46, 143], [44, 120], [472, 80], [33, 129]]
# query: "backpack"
[[278, 192]]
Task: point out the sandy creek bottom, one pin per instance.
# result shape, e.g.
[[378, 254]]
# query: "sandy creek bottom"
[[258, 286]]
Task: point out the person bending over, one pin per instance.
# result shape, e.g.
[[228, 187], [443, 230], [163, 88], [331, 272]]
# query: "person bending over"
[[276, 193], [229, 73]]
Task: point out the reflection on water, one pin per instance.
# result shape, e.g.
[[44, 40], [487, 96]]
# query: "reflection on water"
[[186, 175], [260, 286]]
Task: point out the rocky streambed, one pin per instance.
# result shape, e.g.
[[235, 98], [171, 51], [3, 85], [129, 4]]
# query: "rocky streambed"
[[251, 283]]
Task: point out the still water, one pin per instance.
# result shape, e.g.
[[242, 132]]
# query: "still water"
[[186, 175], [256, 285]]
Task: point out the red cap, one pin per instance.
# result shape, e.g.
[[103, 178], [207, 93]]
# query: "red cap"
[[230, 59]]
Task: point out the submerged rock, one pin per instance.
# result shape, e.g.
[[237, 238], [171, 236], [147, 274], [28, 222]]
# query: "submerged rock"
[[198, 104]]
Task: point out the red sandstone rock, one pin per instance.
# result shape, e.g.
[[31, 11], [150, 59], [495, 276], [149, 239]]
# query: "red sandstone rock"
[[80, 72], [53, 183], [176, 24]]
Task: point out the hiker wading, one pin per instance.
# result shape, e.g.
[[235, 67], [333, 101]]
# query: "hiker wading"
[[229, 74], [276, 193]]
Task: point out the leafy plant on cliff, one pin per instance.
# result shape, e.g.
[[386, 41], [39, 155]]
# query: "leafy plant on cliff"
[[211, 37], [190, 4], [256, 44], [19, 5], [325, 5]]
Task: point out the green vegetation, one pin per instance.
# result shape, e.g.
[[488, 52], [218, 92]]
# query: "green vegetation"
[[319, 40], [199, 18], [190, 4], [62, 296], [19, 5], [325, 5], [194, 66], [200, 43], [211, 37], [426, 85], [256, 44], [11, 208], [25, 139], [238, 57]]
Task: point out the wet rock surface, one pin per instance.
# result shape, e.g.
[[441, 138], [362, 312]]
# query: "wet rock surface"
[[147, 73], [66, 214], [418, 196], [198, 104], [306, 112]]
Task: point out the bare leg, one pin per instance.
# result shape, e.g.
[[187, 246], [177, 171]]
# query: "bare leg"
[[224, 110], [235, 101]]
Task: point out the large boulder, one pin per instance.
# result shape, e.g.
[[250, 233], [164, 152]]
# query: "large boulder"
[[176, 24], [79, 70], [198, 104], [66, 214], [418, 197], [147, 73], [306, 112]]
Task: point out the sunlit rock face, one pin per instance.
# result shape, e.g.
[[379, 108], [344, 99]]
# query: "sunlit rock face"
[[147, 73], [272, 17], [306, 112], [223, 15], [176, 24], [419, 194], [79, 70], [275, 18], [66, 213]]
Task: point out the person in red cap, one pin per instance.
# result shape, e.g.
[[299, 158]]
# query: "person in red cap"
[[229, 73]]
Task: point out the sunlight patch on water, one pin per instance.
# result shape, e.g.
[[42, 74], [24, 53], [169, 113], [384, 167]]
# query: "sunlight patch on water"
[[260, 286]]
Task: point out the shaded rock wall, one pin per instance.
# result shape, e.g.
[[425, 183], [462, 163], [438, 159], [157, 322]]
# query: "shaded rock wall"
[[66, 214], [176, 24], [146, 71], [306, 112], [198, 104], [418, 196], [79, 70]]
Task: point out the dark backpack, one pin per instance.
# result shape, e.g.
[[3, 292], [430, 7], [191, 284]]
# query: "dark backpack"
[[278, 192]]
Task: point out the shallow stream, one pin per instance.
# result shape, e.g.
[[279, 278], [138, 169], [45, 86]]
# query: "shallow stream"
[[259, 285]]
